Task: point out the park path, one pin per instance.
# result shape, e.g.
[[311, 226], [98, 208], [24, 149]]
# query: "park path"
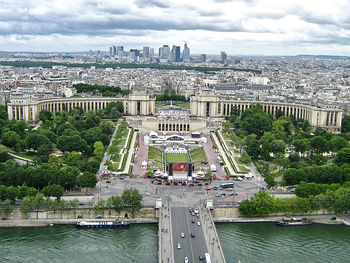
[[223, 154], [130, 154]]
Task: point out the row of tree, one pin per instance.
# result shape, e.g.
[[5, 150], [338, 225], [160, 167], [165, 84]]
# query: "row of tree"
[[104, 90], [46, 64], [304, 189], [262, 204], [130, 199], [68, 177], [331, 174], [172, 97]]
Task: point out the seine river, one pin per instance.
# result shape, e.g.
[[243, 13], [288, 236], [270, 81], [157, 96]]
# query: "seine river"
[[259, 242]]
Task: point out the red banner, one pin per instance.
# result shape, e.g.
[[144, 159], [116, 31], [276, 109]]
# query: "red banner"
[[180, 167]]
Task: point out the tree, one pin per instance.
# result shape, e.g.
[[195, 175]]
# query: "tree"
[[48, 205], [257, 123], [11, 193], [67, 177], [319, 144], [261, 204], [99, 149], [277, 146], [253, 147], [73, 204], [22, 192], [270, 180], [3, 153], [73, 158], [342, 157], [26, 206], [53, 190], [281, 161], [100, 206], [45, 115], [132, 199], [44, 151], [12, 140], [37, 202], [87, 179], [117, 203], [337, 143], [345, 124], [301, 145], [6, 207]]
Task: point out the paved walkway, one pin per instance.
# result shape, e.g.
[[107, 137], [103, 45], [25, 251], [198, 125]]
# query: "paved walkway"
[[165, 236], [130, 154], [142, 155], [106, 156], [211, 237], [212, 157], [223, 155]]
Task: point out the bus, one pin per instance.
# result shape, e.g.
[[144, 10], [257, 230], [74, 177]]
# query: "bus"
[[207, 258], [228, 185]]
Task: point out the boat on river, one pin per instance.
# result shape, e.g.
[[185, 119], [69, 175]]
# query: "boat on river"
[[101, 224], [294, 221], [346, 223]]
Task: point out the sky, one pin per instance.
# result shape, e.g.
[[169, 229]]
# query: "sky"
[[239, 27]]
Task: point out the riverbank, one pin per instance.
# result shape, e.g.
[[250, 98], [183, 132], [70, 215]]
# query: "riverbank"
[[318, 219]]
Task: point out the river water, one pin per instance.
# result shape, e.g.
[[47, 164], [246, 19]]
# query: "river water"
[[267, 242], [69, 244], [253, 242]]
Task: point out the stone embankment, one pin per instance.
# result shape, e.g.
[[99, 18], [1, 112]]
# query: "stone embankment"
[[150, 215]]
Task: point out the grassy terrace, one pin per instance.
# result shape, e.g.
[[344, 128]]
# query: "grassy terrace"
[[118, 146], [198, 155], [177, 157], [155, 159]]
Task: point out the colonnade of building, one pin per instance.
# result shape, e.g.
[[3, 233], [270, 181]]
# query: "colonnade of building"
[[204, 106], [134, 104], [213, 105], [174, 127]]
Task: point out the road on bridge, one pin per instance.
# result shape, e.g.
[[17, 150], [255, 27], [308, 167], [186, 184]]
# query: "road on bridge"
[[191, 247]]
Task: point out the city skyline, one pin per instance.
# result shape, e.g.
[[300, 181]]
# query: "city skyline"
[[244, 27]]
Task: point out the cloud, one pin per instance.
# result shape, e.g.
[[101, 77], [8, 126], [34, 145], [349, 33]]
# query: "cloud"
[[210, 24], [151, 3]]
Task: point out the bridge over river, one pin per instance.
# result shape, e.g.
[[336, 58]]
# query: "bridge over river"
[[173, 221]]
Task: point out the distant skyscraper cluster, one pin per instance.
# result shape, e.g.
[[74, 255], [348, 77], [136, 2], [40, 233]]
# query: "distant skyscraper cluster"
[[165, 54]]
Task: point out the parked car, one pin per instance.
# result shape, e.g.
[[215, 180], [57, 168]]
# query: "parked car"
[[201, 258], [198, 223], [193, 221]]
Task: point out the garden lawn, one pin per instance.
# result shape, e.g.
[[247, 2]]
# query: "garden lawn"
[[198, 155], [177, 157]]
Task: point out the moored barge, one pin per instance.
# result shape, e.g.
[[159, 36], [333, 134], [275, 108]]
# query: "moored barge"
[[294, 221], [101, 224]]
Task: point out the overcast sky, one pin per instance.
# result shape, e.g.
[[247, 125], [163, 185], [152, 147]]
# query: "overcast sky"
[[240, 27]]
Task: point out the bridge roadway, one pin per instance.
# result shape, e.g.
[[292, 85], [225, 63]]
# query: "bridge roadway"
[[191, 247], [176, 220]]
